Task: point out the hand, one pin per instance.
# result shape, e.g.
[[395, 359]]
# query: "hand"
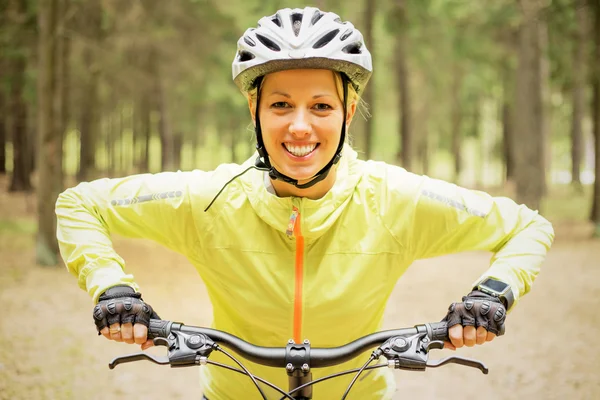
[[121, 315], [467, 336], [478, 319], [128, 333]]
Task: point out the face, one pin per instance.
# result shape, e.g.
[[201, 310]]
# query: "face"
[[301, 116]]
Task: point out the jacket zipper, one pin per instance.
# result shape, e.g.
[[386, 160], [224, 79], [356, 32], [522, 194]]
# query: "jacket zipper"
[[295, 230]]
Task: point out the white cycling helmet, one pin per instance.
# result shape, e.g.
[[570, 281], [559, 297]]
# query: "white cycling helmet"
[[301, 38]]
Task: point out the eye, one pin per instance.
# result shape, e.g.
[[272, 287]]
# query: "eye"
[[280, 104], [323, 107]]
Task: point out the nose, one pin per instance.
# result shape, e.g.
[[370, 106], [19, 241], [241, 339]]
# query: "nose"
[[300, 125]]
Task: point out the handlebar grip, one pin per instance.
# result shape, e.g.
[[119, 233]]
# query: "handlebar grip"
[[159, 328], [439, 331]]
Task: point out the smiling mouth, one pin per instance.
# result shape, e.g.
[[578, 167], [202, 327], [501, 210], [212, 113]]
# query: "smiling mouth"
[[300, 151]]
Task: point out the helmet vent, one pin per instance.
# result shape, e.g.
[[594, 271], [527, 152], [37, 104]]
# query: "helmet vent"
[[277, 20], [268, 42], [353, 48], [316, 17], [245, 56], [346, 35], [296, 22], [328, 37], [249, 41]]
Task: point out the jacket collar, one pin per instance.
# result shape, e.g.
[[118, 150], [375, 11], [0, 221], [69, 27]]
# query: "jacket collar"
[[317, 215]]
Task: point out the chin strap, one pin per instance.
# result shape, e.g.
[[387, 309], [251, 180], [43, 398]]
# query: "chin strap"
[[263, 163]]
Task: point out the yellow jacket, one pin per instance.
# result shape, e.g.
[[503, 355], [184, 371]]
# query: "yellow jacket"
[[280, 268]]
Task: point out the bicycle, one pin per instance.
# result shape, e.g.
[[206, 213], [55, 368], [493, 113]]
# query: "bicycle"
[[406, 349]]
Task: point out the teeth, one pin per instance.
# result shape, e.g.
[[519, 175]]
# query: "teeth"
[[300, 151]]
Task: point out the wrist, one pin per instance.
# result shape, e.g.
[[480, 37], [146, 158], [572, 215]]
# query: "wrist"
[[117, 291], [496, 289]]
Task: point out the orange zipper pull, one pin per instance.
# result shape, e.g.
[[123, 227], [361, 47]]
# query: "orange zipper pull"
[[292, 222]]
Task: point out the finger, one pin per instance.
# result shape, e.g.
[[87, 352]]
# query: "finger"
[[105, 332], [115, 332], [127, 333], [490, 336], [450, 346], [140, 333], [456, 336], [469, 336], [481, 335], [147, 344]]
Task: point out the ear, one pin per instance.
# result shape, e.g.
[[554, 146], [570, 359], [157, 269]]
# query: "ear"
[[252, 108], [350, 111]]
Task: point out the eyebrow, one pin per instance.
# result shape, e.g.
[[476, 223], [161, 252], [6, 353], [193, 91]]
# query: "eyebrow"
[[316, 96], [281, 94]]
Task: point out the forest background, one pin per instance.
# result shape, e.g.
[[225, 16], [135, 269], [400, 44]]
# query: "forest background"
[[497, 95]]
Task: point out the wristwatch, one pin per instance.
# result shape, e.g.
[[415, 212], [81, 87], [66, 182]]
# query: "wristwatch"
[[498, 289]]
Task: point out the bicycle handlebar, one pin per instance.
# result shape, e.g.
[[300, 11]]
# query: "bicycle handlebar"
[[276, 356], [406, 348]]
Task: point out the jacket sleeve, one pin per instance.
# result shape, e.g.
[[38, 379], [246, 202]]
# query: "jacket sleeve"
[[149, 206], [447, 219]]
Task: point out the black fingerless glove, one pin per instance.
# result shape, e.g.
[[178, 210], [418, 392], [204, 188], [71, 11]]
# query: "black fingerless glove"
[[121, 304], [478, 309]]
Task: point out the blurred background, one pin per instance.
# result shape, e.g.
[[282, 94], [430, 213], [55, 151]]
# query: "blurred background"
[[496, 95]]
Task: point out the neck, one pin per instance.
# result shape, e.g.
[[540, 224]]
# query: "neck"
[[315, 192]]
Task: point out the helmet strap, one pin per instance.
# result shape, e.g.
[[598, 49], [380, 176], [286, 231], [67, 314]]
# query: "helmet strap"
[[263, 162]]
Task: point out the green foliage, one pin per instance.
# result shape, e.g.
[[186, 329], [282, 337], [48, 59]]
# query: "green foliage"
[[458, 51]]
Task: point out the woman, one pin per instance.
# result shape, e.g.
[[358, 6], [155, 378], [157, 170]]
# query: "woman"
[[303, 240]]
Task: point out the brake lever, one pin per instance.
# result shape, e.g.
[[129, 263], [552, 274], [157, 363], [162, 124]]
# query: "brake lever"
[[160, 341], [138, 357], [412, 353], [467, 362], [184, 350], [433, 345]]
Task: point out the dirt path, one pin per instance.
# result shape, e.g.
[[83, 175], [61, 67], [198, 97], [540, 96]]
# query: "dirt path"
[[49, 350]]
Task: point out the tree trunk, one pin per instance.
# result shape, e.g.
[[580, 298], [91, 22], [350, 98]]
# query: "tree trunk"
[[18, 110], [110, 144], [477, 133], [596, 115], [3, 133], [578, 94], [49, 185], [508, 134], [544, 106], [530, 176], [88, 128], [165, 128], [401, 24], [166, 133], [90, 116], [424, 149], [121, 169], [369, 94], [177, 147], [60, 94], [21, 165], [457, 122], [32, 137], [146, 128], [137, 138]]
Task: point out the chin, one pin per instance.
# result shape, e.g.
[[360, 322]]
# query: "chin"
[[301, 175]]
